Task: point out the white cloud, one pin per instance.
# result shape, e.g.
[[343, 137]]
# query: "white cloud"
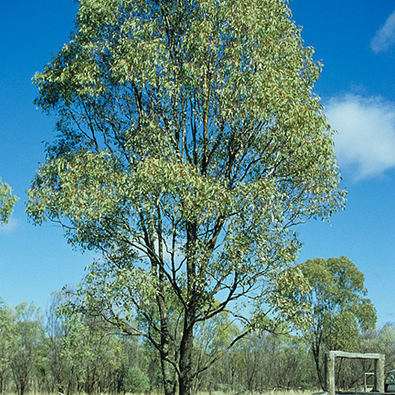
[[385, 36], [365, 142], [11, 226]]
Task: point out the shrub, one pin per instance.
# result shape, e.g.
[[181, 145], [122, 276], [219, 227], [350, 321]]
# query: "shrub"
[[136, 381]]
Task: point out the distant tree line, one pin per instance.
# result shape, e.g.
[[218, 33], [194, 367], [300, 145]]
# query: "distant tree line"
[[67, 350]]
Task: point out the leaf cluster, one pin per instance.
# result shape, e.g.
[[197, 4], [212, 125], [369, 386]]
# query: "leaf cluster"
[[7, 202]]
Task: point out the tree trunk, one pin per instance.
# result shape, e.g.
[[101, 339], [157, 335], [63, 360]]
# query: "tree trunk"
[[168, 377], [316, 354], [22, 388], [88, 384], [167, 370], [69, 385], [186, 346], [186, 349]]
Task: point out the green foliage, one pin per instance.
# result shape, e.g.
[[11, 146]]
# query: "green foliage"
[[340, 307], [260, 363], [74, 353], [5, 344], [88, 350], [7, 202], [27, 337], [80, 353], [189, 144], [381, 340], [136, 381]]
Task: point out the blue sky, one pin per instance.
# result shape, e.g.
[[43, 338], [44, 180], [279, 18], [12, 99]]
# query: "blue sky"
[[356, 42]]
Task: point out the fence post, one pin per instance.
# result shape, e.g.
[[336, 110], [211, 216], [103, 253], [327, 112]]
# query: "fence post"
[[379, 374], [330, 372]]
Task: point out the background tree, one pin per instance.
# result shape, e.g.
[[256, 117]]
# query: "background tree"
[[380, 340], [212, 340], [340, 307], [55, 369], [5, 344], [189, 144], [136, 381], [7, 201], [259, 362], [92, 354], [28, 333], [139, 356]]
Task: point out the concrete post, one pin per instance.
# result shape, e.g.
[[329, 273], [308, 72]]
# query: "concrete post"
[[379, 374], [330, 372]]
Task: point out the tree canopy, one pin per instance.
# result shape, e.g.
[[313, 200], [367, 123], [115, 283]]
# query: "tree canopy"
[[189, 144], [340, 307], [7, 202]]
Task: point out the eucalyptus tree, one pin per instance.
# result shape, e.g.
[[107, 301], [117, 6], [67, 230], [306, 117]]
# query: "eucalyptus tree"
[[5, 344], [380, 340], [7, 202], [28, 335], [56, 330], [211, 339], [341, 309], [189, 144]]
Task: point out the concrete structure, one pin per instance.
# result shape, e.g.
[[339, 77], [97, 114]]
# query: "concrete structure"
[[330, 358]]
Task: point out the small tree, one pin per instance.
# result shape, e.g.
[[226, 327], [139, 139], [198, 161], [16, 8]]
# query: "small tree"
[[5, 344], [190, 142], [92, 353], [136, 381], [212, 340], [340, 307], [28, 334], [56, 369]]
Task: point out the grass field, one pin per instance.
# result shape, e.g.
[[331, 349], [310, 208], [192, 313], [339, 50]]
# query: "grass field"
[[269, 392]]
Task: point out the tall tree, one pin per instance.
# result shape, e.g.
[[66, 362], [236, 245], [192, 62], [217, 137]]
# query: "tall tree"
[[340, 307], [7, 201], [189, 144]]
